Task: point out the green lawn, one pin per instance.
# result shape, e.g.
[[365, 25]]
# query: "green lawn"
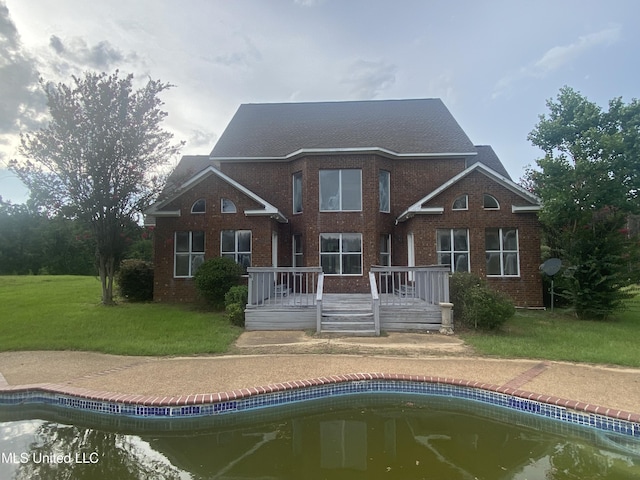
[[559, 336], [64, 313]]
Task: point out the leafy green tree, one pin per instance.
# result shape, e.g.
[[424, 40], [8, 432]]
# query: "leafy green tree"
[[589, 183], [99, 158]]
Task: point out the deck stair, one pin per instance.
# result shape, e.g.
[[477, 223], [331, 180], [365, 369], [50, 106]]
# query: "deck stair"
[[344, 314]]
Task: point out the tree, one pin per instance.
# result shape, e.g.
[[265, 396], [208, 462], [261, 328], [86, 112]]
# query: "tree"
[[99, 158], [589, 183]]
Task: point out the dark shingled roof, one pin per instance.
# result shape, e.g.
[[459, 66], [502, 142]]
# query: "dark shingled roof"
[[276, 130], [488, 157]]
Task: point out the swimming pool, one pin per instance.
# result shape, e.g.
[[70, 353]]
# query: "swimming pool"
[[372, 435]]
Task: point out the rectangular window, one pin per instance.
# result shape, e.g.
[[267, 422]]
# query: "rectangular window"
[[189, 253], [453, 248], [297, 251], [341, 190], [384, 187], [385, 250], [297, 192], [341, 253], [501, 246], [236, 244]]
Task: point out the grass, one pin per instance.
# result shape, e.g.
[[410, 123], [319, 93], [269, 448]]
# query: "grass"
[[560, 336], [64, 313]]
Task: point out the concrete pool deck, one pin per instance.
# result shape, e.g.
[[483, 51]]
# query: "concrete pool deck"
[[260, 359]]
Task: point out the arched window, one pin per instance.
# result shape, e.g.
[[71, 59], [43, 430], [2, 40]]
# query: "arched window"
[[199, 206], [461, 203], [489, 202], [227, 206]]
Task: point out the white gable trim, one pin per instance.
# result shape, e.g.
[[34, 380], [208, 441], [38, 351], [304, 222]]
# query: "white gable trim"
[[417, 207], [337, 151], [269, 209]]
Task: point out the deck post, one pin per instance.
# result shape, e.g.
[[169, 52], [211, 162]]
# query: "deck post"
[[319, 302], [447, 318]]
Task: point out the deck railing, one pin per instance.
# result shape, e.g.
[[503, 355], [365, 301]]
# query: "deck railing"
[[375, 301], [402, 286], [282, 286]]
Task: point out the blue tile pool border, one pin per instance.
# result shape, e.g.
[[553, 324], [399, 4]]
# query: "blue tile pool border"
[[287, 393]]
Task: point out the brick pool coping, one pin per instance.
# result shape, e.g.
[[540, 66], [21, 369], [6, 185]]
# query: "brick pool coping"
[[509, 389]]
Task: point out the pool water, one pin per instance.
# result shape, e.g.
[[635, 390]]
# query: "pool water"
[[359, 437]]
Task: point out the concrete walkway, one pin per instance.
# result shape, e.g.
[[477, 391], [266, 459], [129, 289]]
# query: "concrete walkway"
[[265, 358]]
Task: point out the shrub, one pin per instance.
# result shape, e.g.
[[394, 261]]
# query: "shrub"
[[235, 301], [237, 294], [235, 313], [215, 277], [135, 280], [476, 305]]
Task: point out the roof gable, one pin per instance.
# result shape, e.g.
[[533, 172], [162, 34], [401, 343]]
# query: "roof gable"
[[157, 209], [417, 208], [423, 127]]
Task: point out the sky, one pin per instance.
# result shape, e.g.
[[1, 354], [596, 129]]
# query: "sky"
[[493, 63]]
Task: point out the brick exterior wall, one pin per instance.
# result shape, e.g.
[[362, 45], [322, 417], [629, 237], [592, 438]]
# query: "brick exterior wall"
[[411, 180]]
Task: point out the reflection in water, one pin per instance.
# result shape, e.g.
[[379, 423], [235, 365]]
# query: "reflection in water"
[[349, 438]]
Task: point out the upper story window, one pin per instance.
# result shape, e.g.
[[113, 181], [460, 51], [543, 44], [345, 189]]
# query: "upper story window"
[[461, 203], [297, 192], [227, 206], [199, 206], [384, 187], [489, 202], [341, 190], [188, 254]]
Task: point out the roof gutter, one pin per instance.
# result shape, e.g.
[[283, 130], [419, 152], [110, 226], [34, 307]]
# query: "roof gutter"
[[339, 151]]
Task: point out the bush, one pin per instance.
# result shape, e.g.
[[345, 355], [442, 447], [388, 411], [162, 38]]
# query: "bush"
[[235, 301], [135, 280], [215, 277], [476, 305]]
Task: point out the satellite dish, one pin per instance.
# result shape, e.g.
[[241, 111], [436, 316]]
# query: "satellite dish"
[[551, 266]]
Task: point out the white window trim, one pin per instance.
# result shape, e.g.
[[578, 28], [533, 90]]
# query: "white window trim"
[[466, 203], [490, 208], [453, 250], [222, 210], [293, 190], [298, 258], [191, 253], [339, 170], [340, 253], [194, 205], [502, 251], [388, 254], [236, 251], [388, 210]]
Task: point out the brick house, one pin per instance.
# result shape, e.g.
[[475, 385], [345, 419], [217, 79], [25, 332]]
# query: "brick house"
[[344, 186]]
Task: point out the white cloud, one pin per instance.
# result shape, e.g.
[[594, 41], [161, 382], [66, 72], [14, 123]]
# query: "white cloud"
[[557, 57], [368, 79]]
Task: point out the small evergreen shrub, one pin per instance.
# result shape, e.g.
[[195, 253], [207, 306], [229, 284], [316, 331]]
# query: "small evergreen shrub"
[[235, 313], [235, 301], [215, 277], [476, 305], [135, 280]]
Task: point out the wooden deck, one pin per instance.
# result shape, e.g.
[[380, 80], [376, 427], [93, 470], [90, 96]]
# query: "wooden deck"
[[349, 313], [293, 298]]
